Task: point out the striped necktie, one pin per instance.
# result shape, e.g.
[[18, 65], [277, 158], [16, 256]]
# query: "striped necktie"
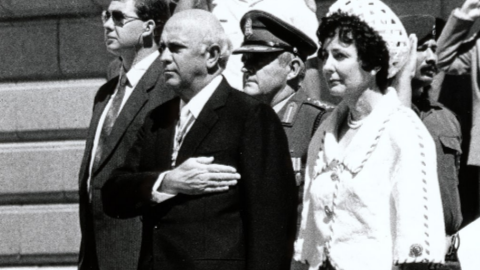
[[183, 125], [110, 118]]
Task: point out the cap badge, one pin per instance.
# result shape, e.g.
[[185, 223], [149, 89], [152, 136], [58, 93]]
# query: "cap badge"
[[248, 28]]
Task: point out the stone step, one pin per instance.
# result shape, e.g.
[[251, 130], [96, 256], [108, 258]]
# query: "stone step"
[[51, 110], [39, 235], [33, 173]]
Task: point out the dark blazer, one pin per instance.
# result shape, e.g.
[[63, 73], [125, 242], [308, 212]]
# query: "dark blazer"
[[109, 243], [251, 226]]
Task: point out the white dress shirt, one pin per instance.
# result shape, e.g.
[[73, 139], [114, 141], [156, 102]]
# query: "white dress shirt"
[[194, 106], [134, 76]]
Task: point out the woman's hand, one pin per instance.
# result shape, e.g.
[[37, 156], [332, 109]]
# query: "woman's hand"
[[402, 82], [471, 8]]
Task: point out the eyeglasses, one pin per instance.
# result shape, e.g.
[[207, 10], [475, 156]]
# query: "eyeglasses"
[[119, 19]]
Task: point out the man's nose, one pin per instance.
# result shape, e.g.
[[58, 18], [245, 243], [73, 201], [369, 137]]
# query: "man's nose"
[[166, 55], [431, 56], [108, 24]]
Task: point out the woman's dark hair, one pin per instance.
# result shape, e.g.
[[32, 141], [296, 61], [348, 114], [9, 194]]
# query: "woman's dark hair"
[[372, 49]]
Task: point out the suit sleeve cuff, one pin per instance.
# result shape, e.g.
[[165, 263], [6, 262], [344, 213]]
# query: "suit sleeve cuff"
[[157, 196]]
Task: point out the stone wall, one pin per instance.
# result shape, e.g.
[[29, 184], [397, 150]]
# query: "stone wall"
[[53, 60]]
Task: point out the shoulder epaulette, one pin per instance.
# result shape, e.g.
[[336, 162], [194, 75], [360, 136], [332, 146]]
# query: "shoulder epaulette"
[[319, 104]]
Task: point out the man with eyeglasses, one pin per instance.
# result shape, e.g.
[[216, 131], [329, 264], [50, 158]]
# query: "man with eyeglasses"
[[132, 32]]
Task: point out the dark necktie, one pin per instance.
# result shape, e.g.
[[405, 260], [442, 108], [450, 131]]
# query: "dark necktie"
[[110, 118]]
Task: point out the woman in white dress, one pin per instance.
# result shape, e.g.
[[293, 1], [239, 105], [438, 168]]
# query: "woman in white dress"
[[371, 197]]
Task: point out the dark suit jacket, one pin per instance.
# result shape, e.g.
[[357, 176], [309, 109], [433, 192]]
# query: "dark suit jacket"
[[251, 226], [109, 243]]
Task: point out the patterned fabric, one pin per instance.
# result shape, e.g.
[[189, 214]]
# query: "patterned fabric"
[[382, 19], [109, 121], [183, 125], [377, 202]]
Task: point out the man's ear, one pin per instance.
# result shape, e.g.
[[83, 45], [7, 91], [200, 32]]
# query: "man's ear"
[[213, 55], [148, 33], [295, 66], [149, 28]]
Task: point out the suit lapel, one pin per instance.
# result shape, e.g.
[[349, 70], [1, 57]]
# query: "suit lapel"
[[100, 102], [205, 121], [132, 107]]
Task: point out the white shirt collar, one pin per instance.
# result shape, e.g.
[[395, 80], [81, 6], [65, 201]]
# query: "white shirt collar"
[[196, 104], [138, 70]]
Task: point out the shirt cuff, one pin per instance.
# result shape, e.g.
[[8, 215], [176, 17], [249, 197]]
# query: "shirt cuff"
[[157, 196], [461, 16]]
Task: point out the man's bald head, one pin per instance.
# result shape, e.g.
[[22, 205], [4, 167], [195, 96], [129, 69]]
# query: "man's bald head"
[[195, 50], [203, 28]]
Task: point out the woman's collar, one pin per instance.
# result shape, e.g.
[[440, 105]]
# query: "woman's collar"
[[367, 137]]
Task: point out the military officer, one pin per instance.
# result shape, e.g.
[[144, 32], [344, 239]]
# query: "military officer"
[[274, 52]]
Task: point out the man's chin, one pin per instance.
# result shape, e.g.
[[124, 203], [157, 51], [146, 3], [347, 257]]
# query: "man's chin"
[[425, 80], [251, 89], [112, 48]]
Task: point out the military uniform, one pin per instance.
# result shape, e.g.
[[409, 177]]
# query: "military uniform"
[[300, 117], [445, 129], [446, 133], [265, 33]]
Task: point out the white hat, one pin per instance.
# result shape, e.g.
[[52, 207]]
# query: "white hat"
[[293, 12], [382, 19]]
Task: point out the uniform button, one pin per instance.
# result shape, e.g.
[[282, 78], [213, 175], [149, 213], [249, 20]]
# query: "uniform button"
[[298, 178], [328, 211], [155, 227], [334, 177]]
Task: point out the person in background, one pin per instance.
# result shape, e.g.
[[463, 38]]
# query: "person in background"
[[372, 198], [132, 33], [439, 121], [230, 12], [238, 213], [274, 52], [458, 55]]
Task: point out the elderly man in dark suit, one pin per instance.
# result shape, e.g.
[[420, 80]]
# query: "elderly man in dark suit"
[[236, 214], [132, 32]]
